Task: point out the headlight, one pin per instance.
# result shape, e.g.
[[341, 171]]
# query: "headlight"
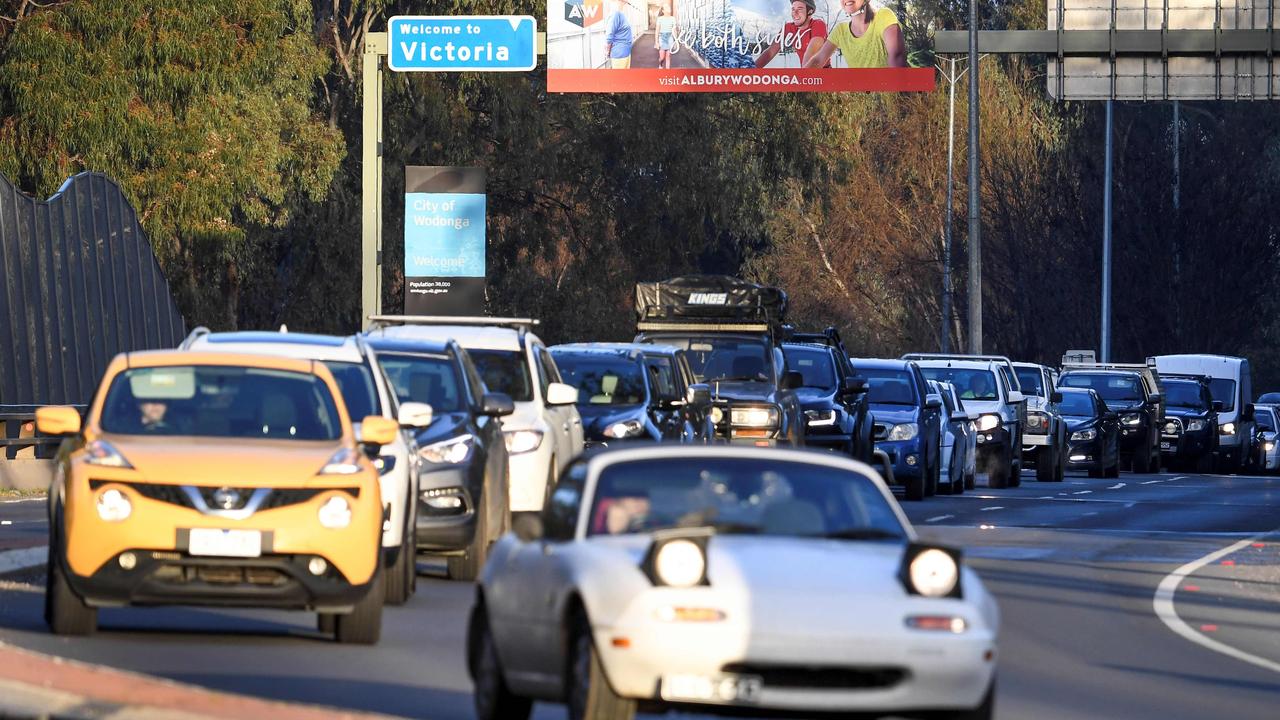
[[680, 563], [933, 573], [987, 423], [114, 506], [1037, 422], [753, 417], [905, 431], [820, 417], [624, 429], [335, 513], [104, 454], [1228, 429], [449, 452], [1131, 418], [716, 415], [523, 441], [1196, 425], [1171, 428], [1084, 435], [1270, 446], [344, 462]]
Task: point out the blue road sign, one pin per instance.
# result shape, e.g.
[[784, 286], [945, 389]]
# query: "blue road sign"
[[469, 43]]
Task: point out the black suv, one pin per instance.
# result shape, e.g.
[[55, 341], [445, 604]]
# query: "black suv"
[[463, 477], [731, 331], [834, 400], [1189, 433], [1133, 392], [632, 391]]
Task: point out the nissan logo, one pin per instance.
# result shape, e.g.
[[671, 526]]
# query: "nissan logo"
[[226, 498]]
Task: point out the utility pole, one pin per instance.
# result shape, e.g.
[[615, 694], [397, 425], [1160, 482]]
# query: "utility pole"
[[975, 222], [1106, 246], [1177, 239], [946, 241]]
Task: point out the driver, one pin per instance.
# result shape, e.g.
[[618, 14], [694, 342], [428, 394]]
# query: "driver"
[[979, 387], [152, 415]]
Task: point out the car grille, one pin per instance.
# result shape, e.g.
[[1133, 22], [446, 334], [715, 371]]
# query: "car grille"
[[176, 495], [826, 677], [880, 431], [210, 495], [1171, 426]]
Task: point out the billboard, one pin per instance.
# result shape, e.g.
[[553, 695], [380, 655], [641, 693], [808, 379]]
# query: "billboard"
[[1197, 68], [728, 46], [444, 240]]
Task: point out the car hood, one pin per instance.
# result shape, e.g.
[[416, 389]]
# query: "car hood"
[[815, 397], [747, 391], [1079, 422], [595, 418], [984, 407], [894, 413], [1121, 406], [442, 427], [223, 461], [1185, 412]]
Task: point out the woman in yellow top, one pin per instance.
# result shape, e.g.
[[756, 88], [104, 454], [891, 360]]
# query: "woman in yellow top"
[[871, 39]]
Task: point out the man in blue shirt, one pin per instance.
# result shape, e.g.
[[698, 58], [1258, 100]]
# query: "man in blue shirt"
[[618, 39]]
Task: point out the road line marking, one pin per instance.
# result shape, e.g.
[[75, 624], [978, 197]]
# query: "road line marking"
[[993, 507], [14, 560], [939, 518], [6, 522], [1046, 497], [1153, 482], [1088, 514], [1083, 492], [1162, 603], [1117, 486]]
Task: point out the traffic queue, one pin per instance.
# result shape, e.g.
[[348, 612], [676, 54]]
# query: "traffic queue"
[[667, 500]]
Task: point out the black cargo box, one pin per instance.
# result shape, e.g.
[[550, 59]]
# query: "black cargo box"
[[703, 298]]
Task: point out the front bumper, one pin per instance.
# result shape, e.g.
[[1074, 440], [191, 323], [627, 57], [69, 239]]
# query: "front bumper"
[[906, 456], [448, 529], [1187, 445], [1133, 437], [1085, 454], [993, 442]]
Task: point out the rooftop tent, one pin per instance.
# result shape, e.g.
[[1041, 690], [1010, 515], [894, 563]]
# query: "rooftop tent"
[[699, 298]]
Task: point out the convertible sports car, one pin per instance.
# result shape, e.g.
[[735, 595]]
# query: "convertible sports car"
[[732, 579]]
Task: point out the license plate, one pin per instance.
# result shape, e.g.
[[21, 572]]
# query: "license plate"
[[1166, 446], [225, 543], [742, 689]]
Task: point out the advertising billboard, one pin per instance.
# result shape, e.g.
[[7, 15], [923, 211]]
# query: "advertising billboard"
[[728, 46], [444, 240]]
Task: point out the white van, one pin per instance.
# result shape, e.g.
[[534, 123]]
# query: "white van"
[[1230, 383]]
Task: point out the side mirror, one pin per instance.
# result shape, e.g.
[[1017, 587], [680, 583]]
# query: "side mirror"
[[496, 405], [1055, 397], [376, 431], [791, 380], [527, 527], [855, 385], [1218, 406], [933, 401], [561, 394], [57, 420], [1016, 397], [1153, 399], [699, 394], [415, 415]]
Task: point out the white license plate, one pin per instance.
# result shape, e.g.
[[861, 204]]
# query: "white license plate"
[[225, 543], [1166, 446], [742, 689]]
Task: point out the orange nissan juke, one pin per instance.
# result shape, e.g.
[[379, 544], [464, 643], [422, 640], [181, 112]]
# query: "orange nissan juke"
[[215, 479]]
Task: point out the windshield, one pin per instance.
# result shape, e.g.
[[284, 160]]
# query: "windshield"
[[971, 384], [602, 380], [727, 358], [504, 371], [740, 496], [1225, 390], [220, 401], [1184, 395], [815, 365], [1111, 388], [355, 382], [889, 387], [1265, 419], [429, 379], [1031, 381], [1076, 404]]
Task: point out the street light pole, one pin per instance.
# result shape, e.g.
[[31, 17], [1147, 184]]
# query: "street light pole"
[[946, 241], [1106, 247], [975, 223]]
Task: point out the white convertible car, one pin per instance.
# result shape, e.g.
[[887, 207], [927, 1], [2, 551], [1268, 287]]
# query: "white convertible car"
[[730, 580]]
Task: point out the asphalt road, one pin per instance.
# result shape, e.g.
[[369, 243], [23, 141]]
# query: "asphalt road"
[[1076, 567]]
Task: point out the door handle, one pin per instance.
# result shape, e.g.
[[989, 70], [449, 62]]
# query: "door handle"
[[565, 427]]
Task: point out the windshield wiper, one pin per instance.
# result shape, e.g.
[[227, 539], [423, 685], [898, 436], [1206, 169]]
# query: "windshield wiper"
[[863, 534]]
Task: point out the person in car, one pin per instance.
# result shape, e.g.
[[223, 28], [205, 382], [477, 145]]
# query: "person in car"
[[979, 387], [870, 39]]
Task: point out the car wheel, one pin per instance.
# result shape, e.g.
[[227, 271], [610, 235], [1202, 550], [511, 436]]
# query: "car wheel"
[[66, 612], [1142, 462], [1047, 464], [590, 696], [468, 565], [1015, 465], [914, 488], [932, 474], [997, 472], [399, 582], [1113, 471], [363, 625], [493, 699], [326, 623], [970, 481], [1060, 473]]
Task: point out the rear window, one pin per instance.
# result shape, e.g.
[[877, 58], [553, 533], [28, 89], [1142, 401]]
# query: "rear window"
[[1111, 388], [355, 382], [427, 379], [1224, 390], [504, 371], [889, 387], [815, 366], [1031, 381], [220, 401]]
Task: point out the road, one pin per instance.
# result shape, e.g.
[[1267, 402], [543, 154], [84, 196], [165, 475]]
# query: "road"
[[1076, 567]]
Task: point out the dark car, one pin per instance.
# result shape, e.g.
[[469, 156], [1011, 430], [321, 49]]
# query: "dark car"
[[1137, 400], [1189, 433], [907, 422], [632, 392], [834, 400], [1093, 432], [463, 477], [730, 330]]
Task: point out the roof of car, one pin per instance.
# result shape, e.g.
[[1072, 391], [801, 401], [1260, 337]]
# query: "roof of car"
[[817, 347], [164, 358], [468, 336], [407, 345], [963, 364], [880, 363], [1038, 366], [605, 348], [284, 344], [1078, 391], [1101, 371]]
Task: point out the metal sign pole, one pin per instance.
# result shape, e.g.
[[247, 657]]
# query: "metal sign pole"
[[1106, 247], [975, 222], [946, 242], [375, 47]]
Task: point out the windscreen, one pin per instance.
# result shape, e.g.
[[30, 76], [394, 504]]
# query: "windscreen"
[[1265, 419], [221, 401], [889, 387], [1111, 388], [725, 359], [814, 365], [1183, 395], [740, 496], [1076, 404], [602, 380], [429, 379], [504, 371], [355, 382], [970, 384], [1031, 381], [1224, 390]]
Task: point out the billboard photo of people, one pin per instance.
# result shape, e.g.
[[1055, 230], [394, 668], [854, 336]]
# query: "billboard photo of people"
[[728, 46]]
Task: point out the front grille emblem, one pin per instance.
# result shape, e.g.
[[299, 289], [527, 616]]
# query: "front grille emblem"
[[226, 498]]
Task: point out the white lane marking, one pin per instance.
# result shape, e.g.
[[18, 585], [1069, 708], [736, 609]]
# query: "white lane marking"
[[993, 507], [939, 518], [6, 522], [13, 560], [1046, 497], [1117, 486], [21, 500], [1095, 512], [1168, 614], [1153, 482], [1083, 492]]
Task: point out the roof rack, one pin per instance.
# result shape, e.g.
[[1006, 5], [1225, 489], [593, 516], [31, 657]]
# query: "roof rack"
[[701, 327], [955, 356], [1150, 364], [194, 335], [380, 321]]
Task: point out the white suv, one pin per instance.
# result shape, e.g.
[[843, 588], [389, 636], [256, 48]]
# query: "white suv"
[[365, 391], [545, 431]]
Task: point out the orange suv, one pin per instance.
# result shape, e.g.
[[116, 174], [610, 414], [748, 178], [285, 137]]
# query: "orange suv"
[[215, 479]]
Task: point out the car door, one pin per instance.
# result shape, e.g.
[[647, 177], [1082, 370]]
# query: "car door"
[[564, 420], [664, 398]]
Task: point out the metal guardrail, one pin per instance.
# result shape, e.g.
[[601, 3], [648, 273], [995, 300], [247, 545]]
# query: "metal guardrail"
[[14, 418]]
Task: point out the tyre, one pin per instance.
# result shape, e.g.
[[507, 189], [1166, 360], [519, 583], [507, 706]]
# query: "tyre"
[[1060, 473], [931, 477], [1142, 462], [1047, 464], [1015, 465], [1113, 471], [467, 566], [363, 625], [1204, 463], [493, 699], [914, 488], [66, 612], [326, 623], [997, 472], [970, 482], [590, 697], [400, 574]]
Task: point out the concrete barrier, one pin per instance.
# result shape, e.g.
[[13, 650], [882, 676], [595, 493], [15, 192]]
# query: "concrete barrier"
[[26, 474]]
